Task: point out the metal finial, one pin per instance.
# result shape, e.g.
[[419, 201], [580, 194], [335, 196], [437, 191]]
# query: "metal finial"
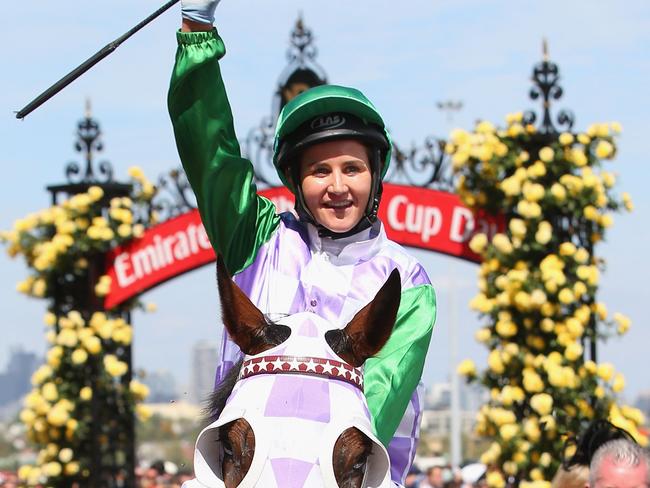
[[88, 112], [545, 56]]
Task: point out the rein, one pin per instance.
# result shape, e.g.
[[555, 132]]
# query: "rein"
[[328, 368]]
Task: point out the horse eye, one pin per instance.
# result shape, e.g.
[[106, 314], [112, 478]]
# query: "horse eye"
[[360, 466], [227, 448]]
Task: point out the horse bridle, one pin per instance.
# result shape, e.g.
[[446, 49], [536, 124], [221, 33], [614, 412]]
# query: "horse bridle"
[[328, 368]]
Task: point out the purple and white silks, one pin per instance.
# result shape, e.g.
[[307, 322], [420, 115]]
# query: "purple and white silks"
[[297, 271], [296, 419]]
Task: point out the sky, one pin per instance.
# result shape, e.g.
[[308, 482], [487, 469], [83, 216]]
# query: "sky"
[[406, 57]]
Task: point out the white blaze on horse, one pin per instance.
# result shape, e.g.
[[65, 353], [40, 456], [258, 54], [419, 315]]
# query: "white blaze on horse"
[[296, 416]]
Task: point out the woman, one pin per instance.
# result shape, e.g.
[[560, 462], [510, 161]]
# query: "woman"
[[332, 151]]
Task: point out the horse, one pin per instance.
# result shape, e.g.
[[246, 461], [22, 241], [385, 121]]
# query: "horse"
[[292, 413]]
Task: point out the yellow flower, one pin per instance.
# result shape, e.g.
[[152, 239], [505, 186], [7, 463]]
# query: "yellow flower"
[[483, 335], [495, 480], [143, 412], [495, 363], [506, 328], [49, 391], [573, 351], [478, 243], [95, 193], [86, 393], [532, 382], [52, 469], [546, 154], [65, 455], [67, 337], [533, 192], [530, 210], [79, 356], [485, 127], [124, 230], [606, 220], [623, 322], [114, 367], [71, 468], [531, 429], [619, 383], [92, 344], [604, 149], [508, 431], [566, 296], [467, 368], [536, 170], [566, 138], [41, 374], [542, 403], [135, 172], [57, 416], [605, 371], [544, 232], [511, 186]]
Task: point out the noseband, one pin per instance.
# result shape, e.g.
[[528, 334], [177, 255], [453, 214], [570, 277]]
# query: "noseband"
[[328, 368]]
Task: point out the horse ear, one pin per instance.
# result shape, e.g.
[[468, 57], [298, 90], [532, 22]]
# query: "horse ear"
[[371, 327], [244, 322]]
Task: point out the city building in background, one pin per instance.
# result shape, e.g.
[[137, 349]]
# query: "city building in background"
[[15, 380], [204, 362]]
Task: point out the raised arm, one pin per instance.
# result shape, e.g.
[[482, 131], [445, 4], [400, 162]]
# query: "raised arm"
[[237, 221]]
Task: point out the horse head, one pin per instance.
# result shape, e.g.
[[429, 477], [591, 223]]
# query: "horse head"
[[297, 416]]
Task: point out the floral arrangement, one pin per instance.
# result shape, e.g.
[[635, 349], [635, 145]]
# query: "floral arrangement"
[[83, 396], [538, 284]]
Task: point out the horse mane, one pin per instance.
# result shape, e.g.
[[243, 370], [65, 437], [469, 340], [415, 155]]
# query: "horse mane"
[[216, 400]]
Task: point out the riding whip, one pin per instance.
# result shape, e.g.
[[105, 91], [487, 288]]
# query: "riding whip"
[[89, 63]]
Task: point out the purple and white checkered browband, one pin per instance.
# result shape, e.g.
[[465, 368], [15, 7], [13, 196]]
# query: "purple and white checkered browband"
[[330, 368]]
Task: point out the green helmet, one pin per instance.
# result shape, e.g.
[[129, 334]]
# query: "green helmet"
[[325, 113]]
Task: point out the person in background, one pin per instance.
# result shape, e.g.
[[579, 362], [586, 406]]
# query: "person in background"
[[620, 463], [576, 476], [434, 479]]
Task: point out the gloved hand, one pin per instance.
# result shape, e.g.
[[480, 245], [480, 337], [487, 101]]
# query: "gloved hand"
[[199, 10]]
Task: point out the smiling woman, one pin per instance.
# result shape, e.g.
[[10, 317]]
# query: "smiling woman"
[[336, 180]]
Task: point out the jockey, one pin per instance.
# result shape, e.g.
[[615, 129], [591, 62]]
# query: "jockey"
[[332, 151]]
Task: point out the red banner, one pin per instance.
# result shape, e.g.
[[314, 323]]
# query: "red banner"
[[416, 217]]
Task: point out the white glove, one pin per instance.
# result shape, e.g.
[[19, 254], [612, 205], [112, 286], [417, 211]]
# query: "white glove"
[[199, 10]]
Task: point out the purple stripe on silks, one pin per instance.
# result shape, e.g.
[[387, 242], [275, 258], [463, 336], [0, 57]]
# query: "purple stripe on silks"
[[399, 453], [299, 303], [328, 305], [420, 277], [300, 397], [369, 276], [290, 473]]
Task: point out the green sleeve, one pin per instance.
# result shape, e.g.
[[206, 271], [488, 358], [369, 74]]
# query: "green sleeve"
[[391, 377], [236, 219]]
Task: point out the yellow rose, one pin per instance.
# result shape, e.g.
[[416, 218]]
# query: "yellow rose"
[[558, 191], [65, 455], [71, 468], [605, 371], [508, 431], [511, 186], [52, 469], [606, 220], [542, 403], [494, 362], [506, 328], [531, 429], [143, 412], [578, 157], [50, 392], [567, 249], [533, 192], [604, 149], [601, 310], [92, 344], [68, 338], [544, 232], [495, 480], [532, 381], [86, 393], [478, 243], [530, 210], [79, 356], [95, 193], [485, 127], [517, 227], [566, 296], [467, 368], [573, 351], [41, 374], [546, 154], [623, 323], [618, 384], [57, 416], [566, 138], [483, 335]]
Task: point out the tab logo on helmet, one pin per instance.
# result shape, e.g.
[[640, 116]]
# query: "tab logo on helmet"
[[327, 122]]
